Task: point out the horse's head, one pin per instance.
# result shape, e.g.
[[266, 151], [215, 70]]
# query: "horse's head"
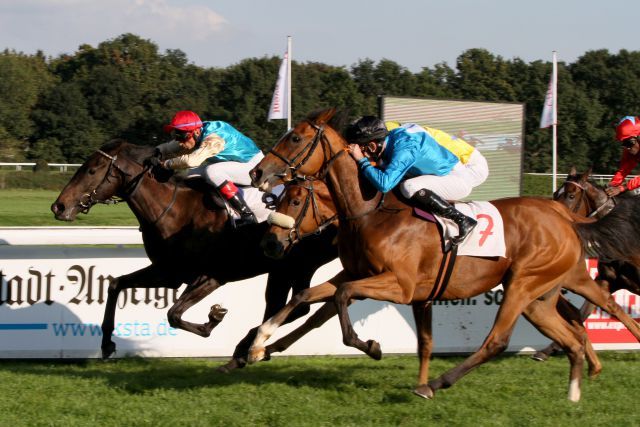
[[105, 174], [581, 195], [304, 150], [306, 208]]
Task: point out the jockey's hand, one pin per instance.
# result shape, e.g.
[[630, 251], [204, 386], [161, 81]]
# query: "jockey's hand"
[[152, 162], [613, 191], [355, 151]]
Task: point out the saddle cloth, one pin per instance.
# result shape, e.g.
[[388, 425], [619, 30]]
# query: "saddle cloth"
[[485, 240]]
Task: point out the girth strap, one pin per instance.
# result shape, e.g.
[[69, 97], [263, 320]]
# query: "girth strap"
[[444, 274]]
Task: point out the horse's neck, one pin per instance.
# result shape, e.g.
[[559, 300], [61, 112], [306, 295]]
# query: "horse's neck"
[[347, 193], [597, 199], [164, 206]]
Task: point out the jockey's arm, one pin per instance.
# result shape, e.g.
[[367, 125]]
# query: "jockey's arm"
[[209, 147], [627, 163], [386, 179]]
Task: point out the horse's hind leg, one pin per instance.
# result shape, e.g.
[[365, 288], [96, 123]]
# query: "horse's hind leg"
[[148, 277], [571, 314], [514, 303], [193, 294], [543, 314], [579, 282], [422, 314]]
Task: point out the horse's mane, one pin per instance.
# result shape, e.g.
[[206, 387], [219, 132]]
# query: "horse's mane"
[[338, 120], [617, 234]]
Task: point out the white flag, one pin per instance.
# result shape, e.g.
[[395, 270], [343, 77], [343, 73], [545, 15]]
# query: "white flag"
[[279, 107], [549, 116]]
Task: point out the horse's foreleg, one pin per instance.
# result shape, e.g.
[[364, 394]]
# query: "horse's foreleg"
[[383, 287], [317, 319], [193, 294], [148, 277], [422, 314], [322, 292]]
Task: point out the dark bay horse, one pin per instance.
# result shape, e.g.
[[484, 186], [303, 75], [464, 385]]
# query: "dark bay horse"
[[188, 240], [585, 197], [384, 259]]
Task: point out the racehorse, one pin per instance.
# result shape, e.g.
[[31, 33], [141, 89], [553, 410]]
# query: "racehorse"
[[585, 197], [188, 240], [383, 259]]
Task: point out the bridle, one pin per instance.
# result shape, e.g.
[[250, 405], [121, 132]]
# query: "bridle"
[[309, 149], [89, 199], [585, 199], [295, 235]]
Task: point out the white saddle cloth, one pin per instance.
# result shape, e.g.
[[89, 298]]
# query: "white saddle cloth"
[[486, 239]]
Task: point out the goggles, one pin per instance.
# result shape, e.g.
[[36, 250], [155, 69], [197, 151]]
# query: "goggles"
[[182, 136], [630, 142]]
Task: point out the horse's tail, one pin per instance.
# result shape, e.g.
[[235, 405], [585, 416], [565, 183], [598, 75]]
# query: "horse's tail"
[[616, 236]]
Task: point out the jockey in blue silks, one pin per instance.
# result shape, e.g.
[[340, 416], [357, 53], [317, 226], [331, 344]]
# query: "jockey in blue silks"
[[430, 165]]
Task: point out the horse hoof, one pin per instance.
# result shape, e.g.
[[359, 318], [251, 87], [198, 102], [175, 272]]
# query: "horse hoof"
[[424, 391], [108, 350], [256, 354], [540, 356], [374, 350], [594, 373], [217, 313], [231, 365]]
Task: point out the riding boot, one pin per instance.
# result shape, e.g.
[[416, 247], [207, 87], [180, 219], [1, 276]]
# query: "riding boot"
[[435, 204], [237, 202]]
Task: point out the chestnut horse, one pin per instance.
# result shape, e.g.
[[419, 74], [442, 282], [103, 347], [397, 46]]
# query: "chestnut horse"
[[187, 239], [383, 259], [585, 197]]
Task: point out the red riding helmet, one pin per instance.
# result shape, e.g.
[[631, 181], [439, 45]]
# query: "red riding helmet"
[[628, 127], [185, 121]]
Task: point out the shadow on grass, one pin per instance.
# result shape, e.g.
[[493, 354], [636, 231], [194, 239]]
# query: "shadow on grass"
[[140, 375]]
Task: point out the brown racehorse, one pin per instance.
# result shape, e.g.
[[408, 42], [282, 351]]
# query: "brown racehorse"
[[384, 260], [187, 239], [586, 198]]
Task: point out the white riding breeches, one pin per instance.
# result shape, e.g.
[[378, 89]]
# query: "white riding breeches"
[[217, 173], [454, 186]]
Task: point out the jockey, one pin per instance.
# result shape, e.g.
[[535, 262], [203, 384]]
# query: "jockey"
[[214, 150], [627, 132], [430, 165]]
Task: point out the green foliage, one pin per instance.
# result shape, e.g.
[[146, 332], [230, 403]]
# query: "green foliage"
[[61, 109]]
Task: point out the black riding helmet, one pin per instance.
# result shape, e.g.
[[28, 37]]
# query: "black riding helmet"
[[365, 129]]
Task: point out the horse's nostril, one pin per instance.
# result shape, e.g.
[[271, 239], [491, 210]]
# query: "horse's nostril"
[[255, 174], [56, 208]]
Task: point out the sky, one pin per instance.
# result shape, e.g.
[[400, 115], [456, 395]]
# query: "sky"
[[413, 33]]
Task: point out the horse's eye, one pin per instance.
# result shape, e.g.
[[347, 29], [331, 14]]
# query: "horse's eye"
[[295, 138], [295, 202], [572, 196], [92, 171]]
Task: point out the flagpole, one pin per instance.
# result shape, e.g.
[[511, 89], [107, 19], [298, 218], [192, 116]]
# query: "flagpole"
[[288, 82], [555, 120]]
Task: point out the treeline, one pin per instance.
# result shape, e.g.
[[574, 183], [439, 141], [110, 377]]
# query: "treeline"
[[61, 109]]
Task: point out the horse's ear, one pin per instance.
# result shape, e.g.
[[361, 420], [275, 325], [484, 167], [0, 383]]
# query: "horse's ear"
[[326, 115], [573, 171]]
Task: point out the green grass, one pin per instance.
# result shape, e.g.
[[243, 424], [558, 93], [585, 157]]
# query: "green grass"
[[312, 391], [23, 207]]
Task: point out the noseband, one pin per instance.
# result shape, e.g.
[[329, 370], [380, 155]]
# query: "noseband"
[[87, 200], [295, 235]]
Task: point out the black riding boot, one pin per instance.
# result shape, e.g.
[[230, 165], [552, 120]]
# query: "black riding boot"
[[435, 204], [240, 206]]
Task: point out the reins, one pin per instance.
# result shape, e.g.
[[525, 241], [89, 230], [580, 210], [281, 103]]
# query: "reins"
[[584, 198], [129, 190]]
